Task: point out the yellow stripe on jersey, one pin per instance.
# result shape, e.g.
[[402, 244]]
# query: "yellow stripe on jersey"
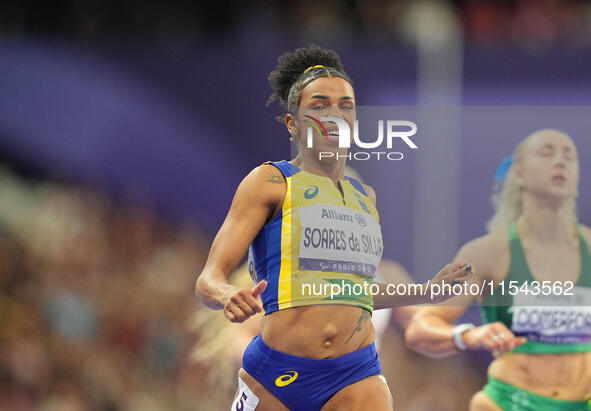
[[284, 293]]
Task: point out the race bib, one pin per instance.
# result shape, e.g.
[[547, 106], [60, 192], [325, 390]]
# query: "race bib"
[[548, 319], [246, 399], [338, 239]]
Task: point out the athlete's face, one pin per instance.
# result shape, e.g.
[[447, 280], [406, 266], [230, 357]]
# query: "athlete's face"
[[549, 166], [323, 97]]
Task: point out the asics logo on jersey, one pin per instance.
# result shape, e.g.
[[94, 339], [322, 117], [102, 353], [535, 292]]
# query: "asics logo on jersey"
[[311, 192]]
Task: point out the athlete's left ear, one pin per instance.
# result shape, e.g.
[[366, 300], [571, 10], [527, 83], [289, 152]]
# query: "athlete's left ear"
[[291, 124], [517, 172]]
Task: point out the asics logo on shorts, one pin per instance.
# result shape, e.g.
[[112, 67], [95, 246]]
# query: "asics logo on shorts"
[[286, 379]]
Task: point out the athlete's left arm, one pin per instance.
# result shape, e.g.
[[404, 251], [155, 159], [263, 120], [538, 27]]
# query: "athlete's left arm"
[[422, 295], [431, 292]]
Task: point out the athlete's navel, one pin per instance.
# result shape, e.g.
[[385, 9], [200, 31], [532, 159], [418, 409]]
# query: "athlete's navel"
[[329, 333]]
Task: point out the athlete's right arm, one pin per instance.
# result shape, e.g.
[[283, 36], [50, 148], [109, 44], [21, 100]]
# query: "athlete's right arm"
[[430, 331], [258, 197]]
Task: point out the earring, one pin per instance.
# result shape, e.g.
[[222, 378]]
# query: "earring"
[[291, 138]]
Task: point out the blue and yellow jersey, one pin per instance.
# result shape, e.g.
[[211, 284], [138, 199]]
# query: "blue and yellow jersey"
[[322, 236]]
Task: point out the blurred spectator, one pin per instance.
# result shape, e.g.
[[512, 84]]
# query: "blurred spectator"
[[97, 312], [94, 297]]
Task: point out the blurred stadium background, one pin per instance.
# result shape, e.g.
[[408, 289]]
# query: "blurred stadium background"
[[125, 127]]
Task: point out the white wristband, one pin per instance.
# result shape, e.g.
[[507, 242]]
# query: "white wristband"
[[457, 335]]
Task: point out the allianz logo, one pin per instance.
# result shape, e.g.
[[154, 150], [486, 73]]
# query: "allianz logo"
[[337, 216]]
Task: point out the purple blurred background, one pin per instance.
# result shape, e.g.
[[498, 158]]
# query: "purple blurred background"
[[127, 126], [178, 126]]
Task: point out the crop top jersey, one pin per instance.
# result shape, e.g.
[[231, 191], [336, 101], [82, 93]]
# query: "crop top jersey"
[[558, 322], [323, 247]]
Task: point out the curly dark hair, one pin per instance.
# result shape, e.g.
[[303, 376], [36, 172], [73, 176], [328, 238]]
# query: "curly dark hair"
[[288, 78]]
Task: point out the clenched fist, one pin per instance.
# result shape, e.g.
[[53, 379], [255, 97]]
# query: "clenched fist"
[[241, 303]]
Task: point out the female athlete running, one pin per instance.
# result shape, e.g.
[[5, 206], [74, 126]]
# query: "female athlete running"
[[309, 229], [533, 239]]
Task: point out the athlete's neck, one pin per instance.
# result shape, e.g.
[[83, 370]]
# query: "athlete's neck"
[[334, 169], [546, 223]]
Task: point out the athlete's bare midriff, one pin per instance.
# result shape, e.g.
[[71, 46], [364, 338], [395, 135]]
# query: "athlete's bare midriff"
[[558, 376], [318, 331]]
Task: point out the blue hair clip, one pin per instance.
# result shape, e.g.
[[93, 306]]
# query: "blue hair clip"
[[503, 168]]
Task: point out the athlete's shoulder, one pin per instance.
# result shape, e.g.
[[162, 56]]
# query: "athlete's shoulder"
[[270, 170], [265, 182], [371, 193], [492, 241], [265, 173], [489, 254], [586, 231], [285, 167]]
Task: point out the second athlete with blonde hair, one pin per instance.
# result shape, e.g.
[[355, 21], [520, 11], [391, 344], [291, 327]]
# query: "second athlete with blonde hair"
[[534, 239]]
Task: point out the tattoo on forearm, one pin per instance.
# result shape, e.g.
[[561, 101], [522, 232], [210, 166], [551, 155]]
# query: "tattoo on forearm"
[[362, 319], [275, 178]]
